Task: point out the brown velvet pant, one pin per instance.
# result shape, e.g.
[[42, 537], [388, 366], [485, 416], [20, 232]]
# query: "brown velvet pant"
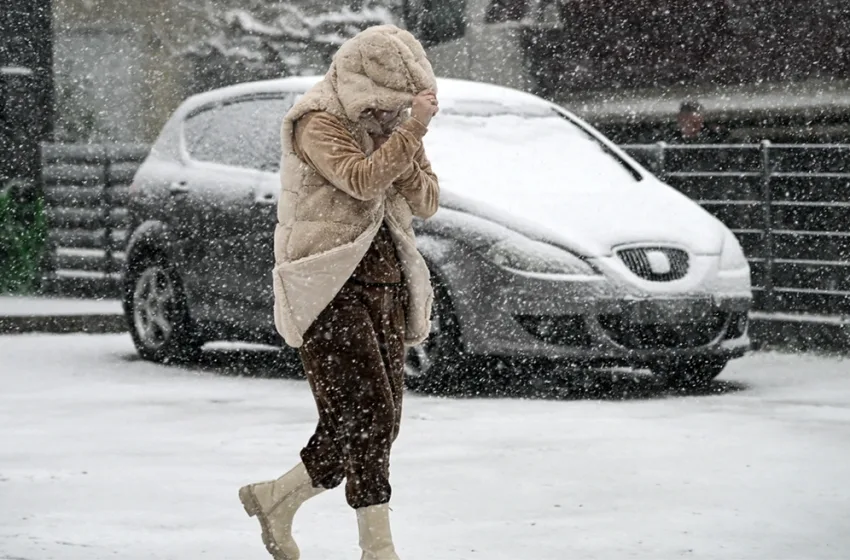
[[353, 356]]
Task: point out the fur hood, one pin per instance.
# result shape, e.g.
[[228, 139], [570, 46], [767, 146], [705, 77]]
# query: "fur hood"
[[382, 67]]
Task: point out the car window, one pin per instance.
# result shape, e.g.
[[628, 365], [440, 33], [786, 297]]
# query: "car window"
[[241, 133]]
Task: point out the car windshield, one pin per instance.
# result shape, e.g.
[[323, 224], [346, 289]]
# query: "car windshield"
[[486, 148]]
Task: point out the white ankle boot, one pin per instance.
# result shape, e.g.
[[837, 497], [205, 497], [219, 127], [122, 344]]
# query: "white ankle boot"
[[376, 540], [274, 503]]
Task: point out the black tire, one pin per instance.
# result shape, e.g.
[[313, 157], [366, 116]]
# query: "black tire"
[[437, 366], [689, 373], [162, 330]]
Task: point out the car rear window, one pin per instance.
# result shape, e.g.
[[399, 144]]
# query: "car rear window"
[[241, 133]]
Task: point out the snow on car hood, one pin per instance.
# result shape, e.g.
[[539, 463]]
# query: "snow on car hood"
[[539, 174]]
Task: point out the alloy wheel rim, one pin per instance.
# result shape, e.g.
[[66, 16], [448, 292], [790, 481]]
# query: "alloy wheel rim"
[[153, 301]]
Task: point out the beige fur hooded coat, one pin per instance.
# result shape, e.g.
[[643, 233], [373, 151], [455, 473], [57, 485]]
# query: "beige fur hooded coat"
[[327, 220]]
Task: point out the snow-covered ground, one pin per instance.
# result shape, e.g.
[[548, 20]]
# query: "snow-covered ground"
[[21, 306], [104, 456]]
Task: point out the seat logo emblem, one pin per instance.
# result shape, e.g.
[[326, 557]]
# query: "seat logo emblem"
[[659, 263]]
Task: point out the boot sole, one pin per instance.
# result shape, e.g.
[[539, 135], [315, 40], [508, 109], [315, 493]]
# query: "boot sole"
[[253, 509]]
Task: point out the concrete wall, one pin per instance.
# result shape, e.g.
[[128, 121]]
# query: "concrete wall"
[[114, 64], [116, 61]]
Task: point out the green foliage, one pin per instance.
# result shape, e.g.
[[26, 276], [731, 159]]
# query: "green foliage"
[[23, 230]]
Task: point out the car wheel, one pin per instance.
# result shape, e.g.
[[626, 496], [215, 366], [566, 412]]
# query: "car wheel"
[[158, 315], [436, 365], [689, 372]]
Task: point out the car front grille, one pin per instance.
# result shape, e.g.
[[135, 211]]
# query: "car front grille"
[[637, 336], [637, 259]]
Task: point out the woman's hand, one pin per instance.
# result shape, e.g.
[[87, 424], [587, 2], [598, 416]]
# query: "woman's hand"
[[424, 106]]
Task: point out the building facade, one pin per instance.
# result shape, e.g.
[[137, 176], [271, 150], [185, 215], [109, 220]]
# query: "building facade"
[[778, 68], [623, 64], [123, 67]]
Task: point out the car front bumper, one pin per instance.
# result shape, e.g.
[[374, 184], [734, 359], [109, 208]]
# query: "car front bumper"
[[596, 320]]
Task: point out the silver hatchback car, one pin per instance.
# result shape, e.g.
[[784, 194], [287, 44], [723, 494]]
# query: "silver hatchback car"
[[550, 242]]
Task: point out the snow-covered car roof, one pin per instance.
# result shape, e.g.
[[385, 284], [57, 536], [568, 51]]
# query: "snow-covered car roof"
[[448, 89]]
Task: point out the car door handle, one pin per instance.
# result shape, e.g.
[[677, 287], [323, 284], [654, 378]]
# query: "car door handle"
[[178, 188]]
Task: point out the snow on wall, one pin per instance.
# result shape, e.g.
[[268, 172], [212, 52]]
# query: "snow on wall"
[[283, 39]]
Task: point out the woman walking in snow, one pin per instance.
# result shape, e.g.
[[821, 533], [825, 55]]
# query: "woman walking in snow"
[[351, 289]]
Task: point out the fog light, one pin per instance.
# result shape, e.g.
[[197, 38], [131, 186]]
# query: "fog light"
[[563, 330]]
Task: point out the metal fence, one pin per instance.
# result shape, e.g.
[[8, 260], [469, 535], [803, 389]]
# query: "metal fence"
[[788, 204], [86, 189]]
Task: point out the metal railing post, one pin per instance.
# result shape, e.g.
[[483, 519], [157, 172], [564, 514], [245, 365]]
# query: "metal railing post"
[[767, 224], [107, 214], [661, 161], [48, 265]]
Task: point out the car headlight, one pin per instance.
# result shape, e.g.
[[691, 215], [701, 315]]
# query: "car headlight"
[[732, 256], [526, 255]]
